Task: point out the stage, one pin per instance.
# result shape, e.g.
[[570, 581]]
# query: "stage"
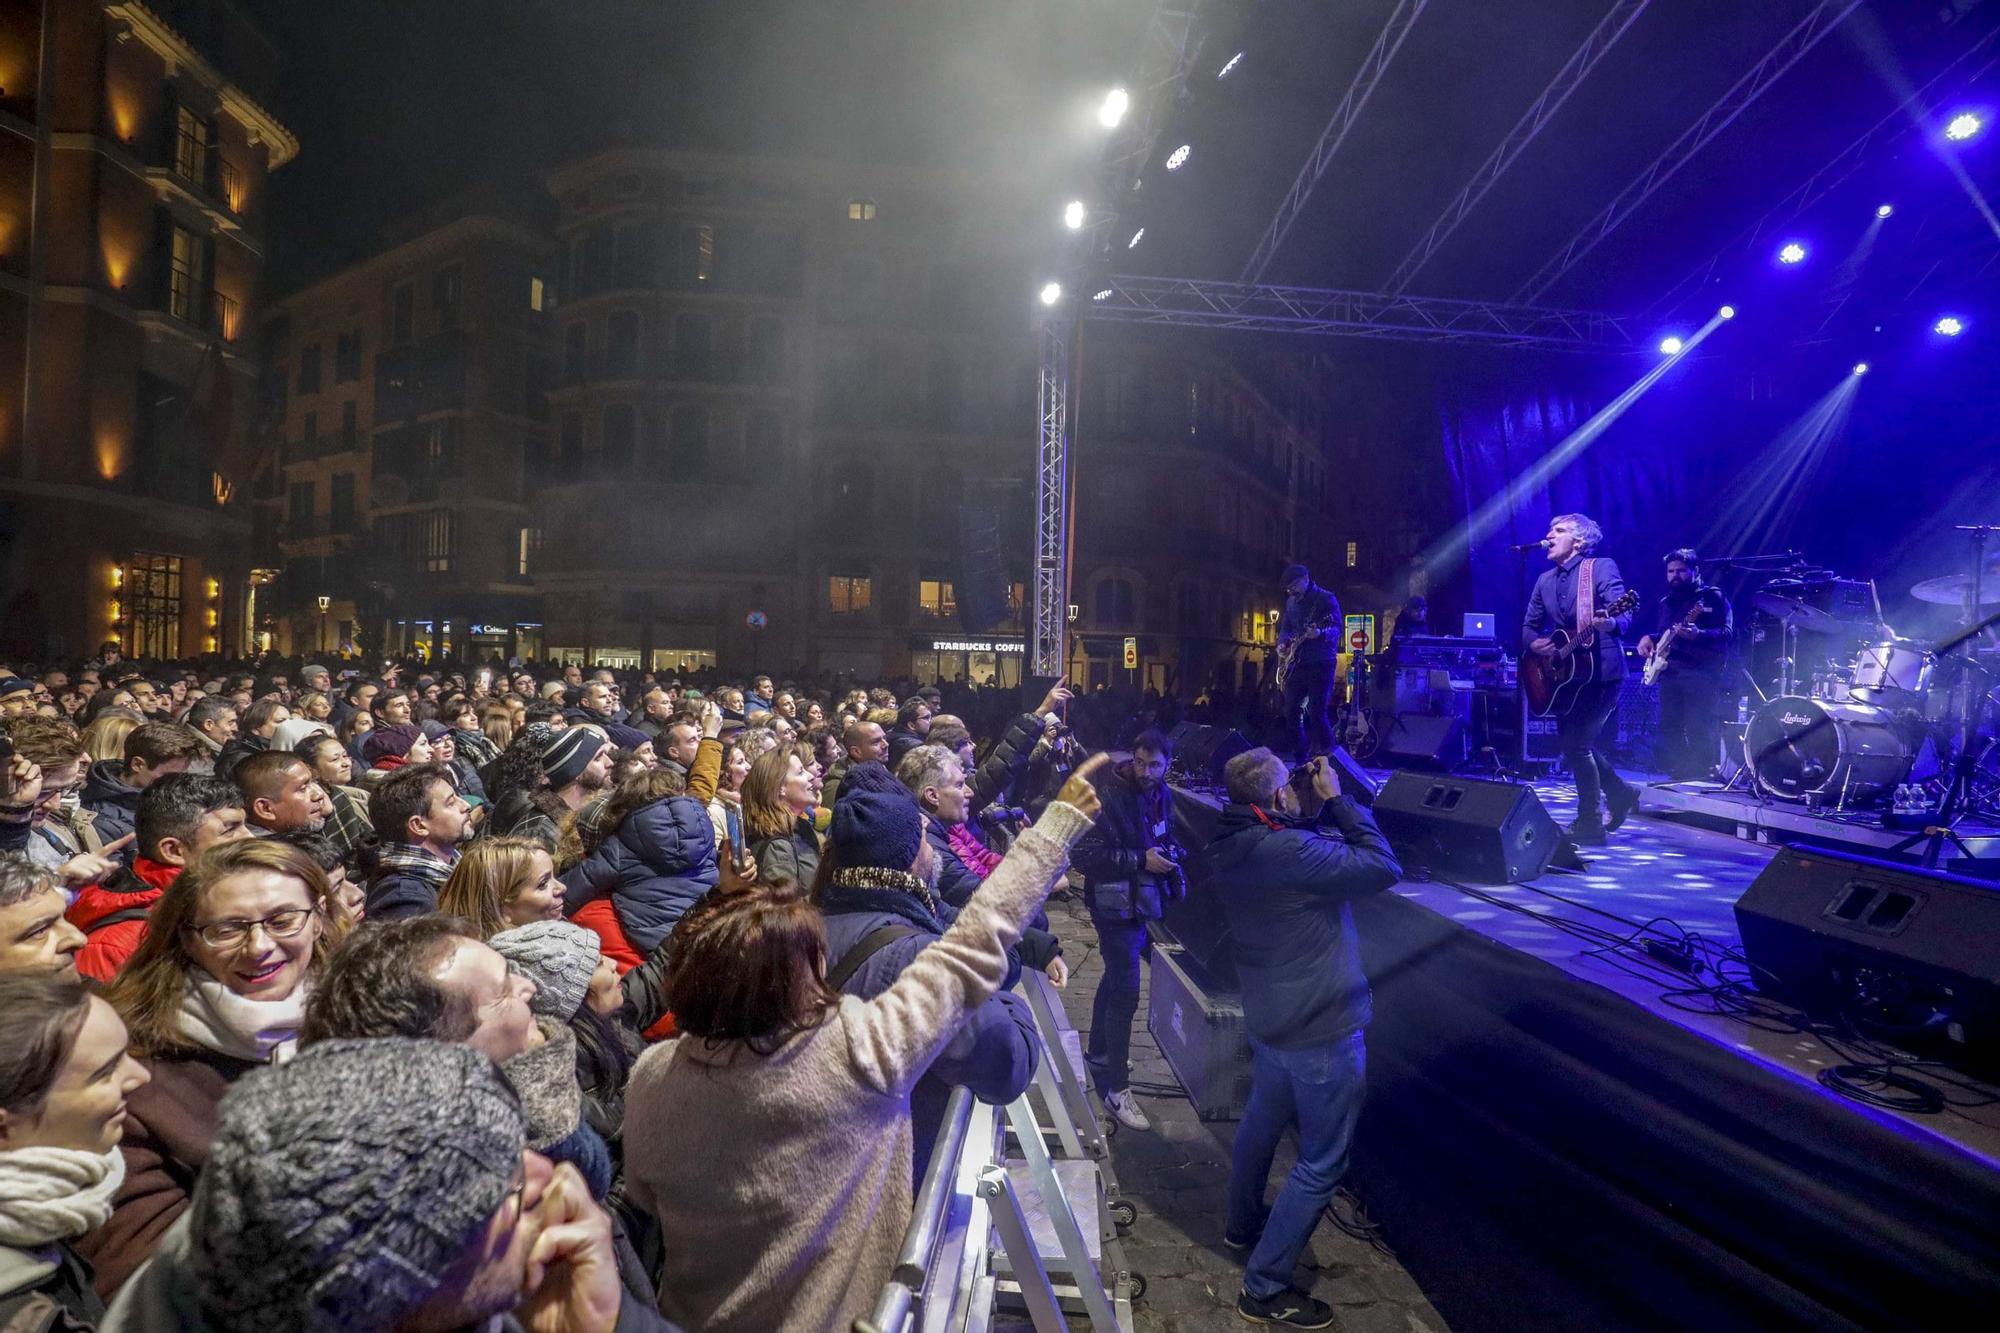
[[1557, 1135], [1751, 815]]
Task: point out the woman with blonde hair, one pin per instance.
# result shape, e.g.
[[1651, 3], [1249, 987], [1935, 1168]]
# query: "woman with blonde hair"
[[105, 737], [217, 989], [501, 883], [778, 799], [496, 719]]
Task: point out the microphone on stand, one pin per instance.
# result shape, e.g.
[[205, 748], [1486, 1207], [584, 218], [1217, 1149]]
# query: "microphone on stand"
[[1542, 545]]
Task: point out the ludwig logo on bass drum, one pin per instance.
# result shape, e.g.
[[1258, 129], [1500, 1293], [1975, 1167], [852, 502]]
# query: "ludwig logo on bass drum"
[[1794, 720]]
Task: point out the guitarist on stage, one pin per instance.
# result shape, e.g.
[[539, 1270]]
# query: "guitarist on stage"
[[1691, 679], [1579, 576], [1311, 620]]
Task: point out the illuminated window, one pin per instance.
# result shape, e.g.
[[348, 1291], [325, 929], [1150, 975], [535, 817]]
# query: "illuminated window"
[[861, 210], [152, 605], [190, 147], [530, 543], [1353, 554], [190, 269], [847, 594], [437, 539], [935, 597], [537, 295]]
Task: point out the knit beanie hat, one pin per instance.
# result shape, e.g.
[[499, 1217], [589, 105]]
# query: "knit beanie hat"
[[435, 730], [626, 738], [559, 957], [287, 735], [876, 828], [389, 742], [344, 1185], [568, 752]]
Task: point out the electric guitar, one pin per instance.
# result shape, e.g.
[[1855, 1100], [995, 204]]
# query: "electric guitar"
[[1552, 683], [1657, 663], [1288, 651]]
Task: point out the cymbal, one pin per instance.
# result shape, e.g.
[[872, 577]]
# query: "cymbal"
[[1953, 589], [1807, 619]]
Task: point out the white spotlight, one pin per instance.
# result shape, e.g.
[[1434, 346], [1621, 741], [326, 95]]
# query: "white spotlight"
[[1671, 346], [1137, 237], [1178, 158], [1885, 210], [1792, 253], [1963, 126], [1949, 325], [1727, 312], [1051, 293], [1102, 294], [1116, 103], [1861, 367], [1229, 65], [1073, 214]]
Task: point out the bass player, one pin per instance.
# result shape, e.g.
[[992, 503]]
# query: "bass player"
[[1568, 597], [1309, 632], [1691, 637]]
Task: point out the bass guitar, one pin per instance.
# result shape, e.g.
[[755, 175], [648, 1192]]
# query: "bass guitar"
[[1657, 663], [1288, 651], [1552, 683]]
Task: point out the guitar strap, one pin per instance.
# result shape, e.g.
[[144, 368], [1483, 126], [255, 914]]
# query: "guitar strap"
[[1586, 601]]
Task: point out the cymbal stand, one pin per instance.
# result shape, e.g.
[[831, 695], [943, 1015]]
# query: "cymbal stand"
[[1965, 762]]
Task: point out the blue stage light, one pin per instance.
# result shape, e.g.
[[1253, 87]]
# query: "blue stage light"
[[1792, 252], [1949, 325], [1963, 126], [1727, 312], [1884, 210], [1671, 346], [1861, 367]]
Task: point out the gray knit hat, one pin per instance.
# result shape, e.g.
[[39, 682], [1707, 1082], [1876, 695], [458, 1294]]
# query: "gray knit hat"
[[558, 957], [344, 1185], [568, 752]]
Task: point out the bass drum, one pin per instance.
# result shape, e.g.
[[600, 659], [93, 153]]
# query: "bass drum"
[[1798, 747]]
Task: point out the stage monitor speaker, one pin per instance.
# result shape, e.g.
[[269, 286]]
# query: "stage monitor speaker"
[[1894, 947], [1197, 922], [1471, 828], [1200, 752], [1423, 740]]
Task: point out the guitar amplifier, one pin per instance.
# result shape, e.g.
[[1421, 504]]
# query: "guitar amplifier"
[[1638, 711]]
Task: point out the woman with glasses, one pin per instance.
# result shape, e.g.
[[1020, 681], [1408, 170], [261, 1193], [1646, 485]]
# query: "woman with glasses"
[[217, 989]]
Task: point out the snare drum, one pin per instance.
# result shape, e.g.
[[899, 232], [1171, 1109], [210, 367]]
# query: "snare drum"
[[1893, 673], [1798, 747]]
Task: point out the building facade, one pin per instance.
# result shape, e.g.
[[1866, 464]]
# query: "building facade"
[[135, 145]]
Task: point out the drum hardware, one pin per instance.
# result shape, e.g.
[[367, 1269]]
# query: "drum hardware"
[[1971, 747], [1802, 749]]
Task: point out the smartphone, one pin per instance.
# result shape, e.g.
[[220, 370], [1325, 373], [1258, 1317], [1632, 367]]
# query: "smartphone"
[[732, 823]]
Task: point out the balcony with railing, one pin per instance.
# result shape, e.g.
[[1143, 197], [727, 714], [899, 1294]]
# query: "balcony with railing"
[[428, 375]]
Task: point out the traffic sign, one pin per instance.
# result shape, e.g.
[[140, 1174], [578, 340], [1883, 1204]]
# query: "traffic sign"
[[1131, 654], [1361, 634], [756, 620]]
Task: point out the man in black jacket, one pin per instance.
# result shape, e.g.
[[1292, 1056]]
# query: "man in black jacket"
[[1700, 619], [1285, 878], [1311, 619], [1128, 879]]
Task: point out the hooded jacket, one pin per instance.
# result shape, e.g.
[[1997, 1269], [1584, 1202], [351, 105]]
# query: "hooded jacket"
[[108, 944], [993, 1053], [1285, 883], [113, 800], [657, 864], [956, 884]]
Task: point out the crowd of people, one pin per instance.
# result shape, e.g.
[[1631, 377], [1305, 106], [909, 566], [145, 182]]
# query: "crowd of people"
[[444, 998]]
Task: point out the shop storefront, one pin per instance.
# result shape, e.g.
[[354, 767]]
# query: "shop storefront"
[[972, 661]]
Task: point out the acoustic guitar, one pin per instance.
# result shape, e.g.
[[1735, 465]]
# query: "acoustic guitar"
[[1553, 683]]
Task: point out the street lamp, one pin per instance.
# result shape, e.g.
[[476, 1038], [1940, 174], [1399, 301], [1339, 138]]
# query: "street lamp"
[[324, 602]]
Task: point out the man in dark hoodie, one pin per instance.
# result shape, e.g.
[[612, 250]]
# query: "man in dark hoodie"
[[881, 908], [1285, 870], [152, 751]]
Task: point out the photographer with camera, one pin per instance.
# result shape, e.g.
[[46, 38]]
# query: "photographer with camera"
[[1131, 871], [1288, 856]]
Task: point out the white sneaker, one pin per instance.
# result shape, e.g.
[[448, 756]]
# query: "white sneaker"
[[1126, 1108]]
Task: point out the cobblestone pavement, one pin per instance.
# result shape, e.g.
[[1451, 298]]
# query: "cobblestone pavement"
[[1178, 1175]]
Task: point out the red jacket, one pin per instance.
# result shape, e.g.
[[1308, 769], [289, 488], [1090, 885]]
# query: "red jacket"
[[107, 947], [599, 915]]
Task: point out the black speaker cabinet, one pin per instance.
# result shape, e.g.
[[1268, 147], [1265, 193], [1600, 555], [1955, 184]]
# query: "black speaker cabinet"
[[1423, 740], [1200, 752], [1467, 828], [1894, 946], [1354, 779]]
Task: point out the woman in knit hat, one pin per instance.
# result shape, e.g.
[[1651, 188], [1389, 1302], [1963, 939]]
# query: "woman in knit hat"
[[772, 1138], [217, 989], [386, 749], [500, 883], [444, 750], [64, 1079]]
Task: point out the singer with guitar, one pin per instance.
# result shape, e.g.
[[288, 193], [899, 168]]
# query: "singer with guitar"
[[1308, 641], [1583, 597], [1686, 655]]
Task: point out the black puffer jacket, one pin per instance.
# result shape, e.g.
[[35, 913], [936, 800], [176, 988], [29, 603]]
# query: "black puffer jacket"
[[1130, 822], [1006, 761]]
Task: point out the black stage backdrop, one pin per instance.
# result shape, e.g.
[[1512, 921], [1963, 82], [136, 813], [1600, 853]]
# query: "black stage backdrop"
[[1545, 1155]]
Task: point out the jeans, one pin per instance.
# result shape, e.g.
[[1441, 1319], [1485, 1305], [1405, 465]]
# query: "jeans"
[[1308, 695], [1116, 1004], [1318, 1089], [1690, 725], [1580, 733]]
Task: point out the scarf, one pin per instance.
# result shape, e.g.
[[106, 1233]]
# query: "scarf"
[[262, 1031], [879, 889], [55, 1194], [978, 857], [420, 861]]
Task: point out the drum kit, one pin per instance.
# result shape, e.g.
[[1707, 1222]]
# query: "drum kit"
[[1851, 733]]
